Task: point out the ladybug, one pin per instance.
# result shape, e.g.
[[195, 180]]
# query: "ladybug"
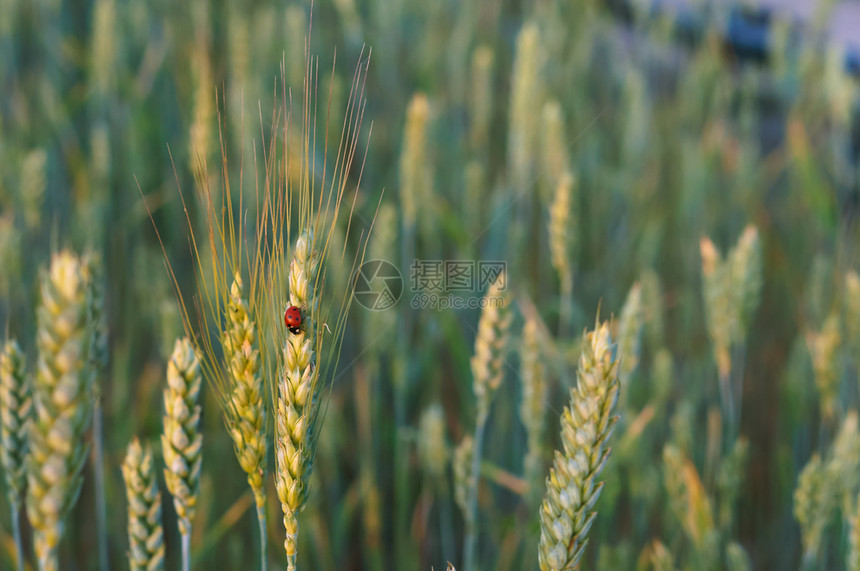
[[293, 319]]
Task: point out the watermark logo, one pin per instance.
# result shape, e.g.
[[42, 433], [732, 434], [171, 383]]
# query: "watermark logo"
[[378, 285], [434, 284]]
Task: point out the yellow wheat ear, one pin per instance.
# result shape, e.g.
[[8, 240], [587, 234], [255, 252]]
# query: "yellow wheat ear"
[[298, 397], [145, 533], [182, 442]]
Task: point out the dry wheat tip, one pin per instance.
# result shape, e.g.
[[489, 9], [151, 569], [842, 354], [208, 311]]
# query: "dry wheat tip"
[[16, 414], [181, 441], [145, 533], [63, 397], [568, 511], [246, 413]]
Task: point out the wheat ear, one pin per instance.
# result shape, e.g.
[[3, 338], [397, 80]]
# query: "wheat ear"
[[16, 414], [533, 407], [145, 533], [567, 511], [814, 502], [487, 373], [64, 403], [298, 398], [182, 442], [246, 413]]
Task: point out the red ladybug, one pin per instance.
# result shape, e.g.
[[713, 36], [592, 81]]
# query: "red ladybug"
[[293, 319]]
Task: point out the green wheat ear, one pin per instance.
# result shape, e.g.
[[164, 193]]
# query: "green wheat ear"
[[567, 511], [145, 533], [63, 395], [16, 416]]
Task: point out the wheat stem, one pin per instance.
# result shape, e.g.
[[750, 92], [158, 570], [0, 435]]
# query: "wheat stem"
[[186, 551], [16, 534], [261, 522], [99, 474]]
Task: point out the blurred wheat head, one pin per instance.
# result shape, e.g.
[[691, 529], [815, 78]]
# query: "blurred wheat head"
[[63, 397]]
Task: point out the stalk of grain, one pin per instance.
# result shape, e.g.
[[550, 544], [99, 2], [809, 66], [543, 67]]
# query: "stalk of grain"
[[462, 468], [526, 93], [567, 513], [145, 532], [414, 168], [629, 333], [533, 406], [814, 502], [432, 444], [690, 504], [823, 348], [63, 396], [718, 311], [853, 563], [181, 441], [661, 558], [730, 478], [481, 97], [553, 156], [844, 462], [487, 373], [737, 558], [200, 140], [298, 397], [98, 361], [562, 224], [245, 410], [16, 416]]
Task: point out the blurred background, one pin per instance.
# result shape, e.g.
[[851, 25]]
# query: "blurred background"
[[676, 122]]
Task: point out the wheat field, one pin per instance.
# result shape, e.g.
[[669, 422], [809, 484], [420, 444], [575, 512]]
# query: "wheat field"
[[428, 285]]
